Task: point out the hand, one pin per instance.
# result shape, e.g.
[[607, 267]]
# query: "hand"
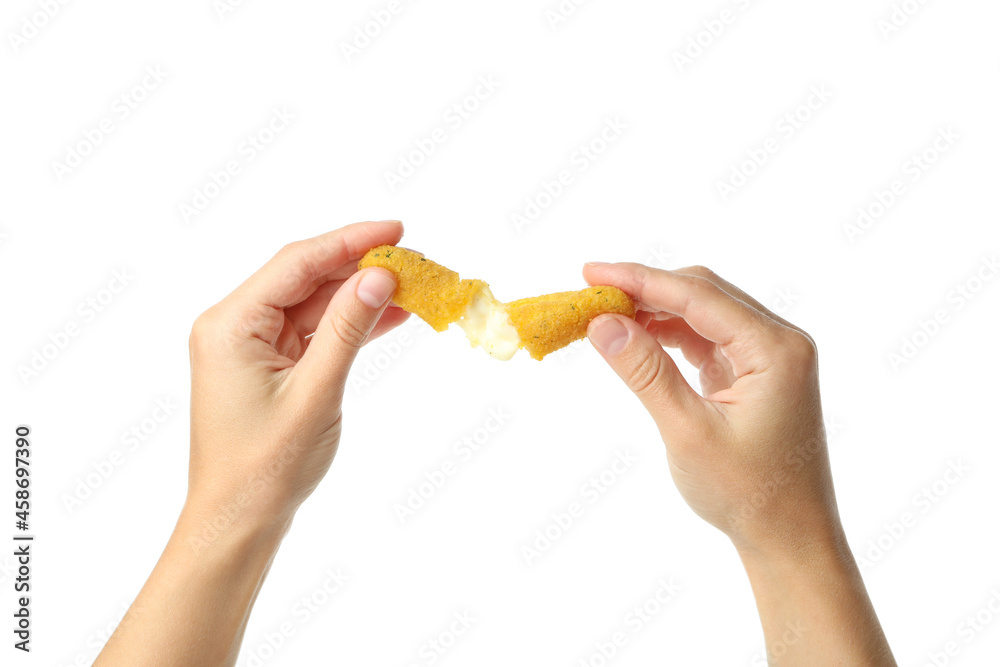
[[265, 424], [265, 399], [750, 457]]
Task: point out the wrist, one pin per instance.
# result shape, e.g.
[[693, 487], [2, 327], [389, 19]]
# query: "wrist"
[[229, 527], [789, 530], [806, 561], [812, 602], [824, 541]]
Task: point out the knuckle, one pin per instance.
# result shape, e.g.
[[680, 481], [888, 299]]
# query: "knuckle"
[[296, 272], [300, 271], [647, 375], [200, 328], [349, 333], [700, 271], [204, 337], [290, 248], [698, 282], [801, 346], [260, 320], [812, 341], [713, 370], [699, 288]]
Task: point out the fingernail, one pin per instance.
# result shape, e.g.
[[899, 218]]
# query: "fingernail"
[[390, 221], [375, 288], [609, 336], [596, 264]]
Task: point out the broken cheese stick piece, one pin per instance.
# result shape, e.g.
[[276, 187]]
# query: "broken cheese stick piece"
[[541, 324], [438, 296], [548, 323], [425, 288]]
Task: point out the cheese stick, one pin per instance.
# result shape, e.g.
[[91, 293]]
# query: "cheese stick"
[[541, 325]]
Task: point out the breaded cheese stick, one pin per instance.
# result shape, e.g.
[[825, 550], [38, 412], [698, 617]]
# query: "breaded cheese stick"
[[540, 324], [547, 323], [426, 289]]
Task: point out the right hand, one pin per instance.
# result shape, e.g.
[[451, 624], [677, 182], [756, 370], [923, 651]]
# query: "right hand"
[[266, 398], [749, 457]]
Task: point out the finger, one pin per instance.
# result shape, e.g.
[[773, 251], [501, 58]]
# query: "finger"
[[644, 366], [714, 370], [299, 269], [747, 336], [738, 293], [391, 318], [677, 333], [305, 316], [347, 324]]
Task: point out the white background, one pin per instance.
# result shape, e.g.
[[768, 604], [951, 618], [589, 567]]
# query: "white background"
[[652, 196]]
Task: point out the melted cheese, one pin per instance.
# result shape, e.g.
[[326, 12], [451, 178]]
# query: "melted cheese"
[[487, 325]]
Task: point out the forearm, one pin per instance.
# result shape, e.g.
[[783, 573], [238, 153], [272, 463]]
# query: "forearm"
[[194, 607], [814, 607]]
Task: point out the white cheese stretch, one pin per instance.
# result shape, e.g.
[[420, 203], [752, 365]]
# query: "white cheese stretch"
[[487, 325]]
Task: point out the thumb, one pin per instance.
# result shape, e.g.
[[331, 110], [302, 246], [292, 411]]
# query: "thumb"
[[344, 328], [639, 359]]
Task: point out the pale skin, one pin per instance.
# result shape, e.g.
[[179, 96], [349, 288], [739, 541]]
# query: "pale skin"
[[749, 457], [749, 453]]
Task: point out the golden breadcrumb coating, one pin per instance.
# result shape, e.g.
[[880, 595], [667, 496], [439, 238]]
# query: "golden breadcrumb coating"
[[548, 323], [544, 324], [428, 290]]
